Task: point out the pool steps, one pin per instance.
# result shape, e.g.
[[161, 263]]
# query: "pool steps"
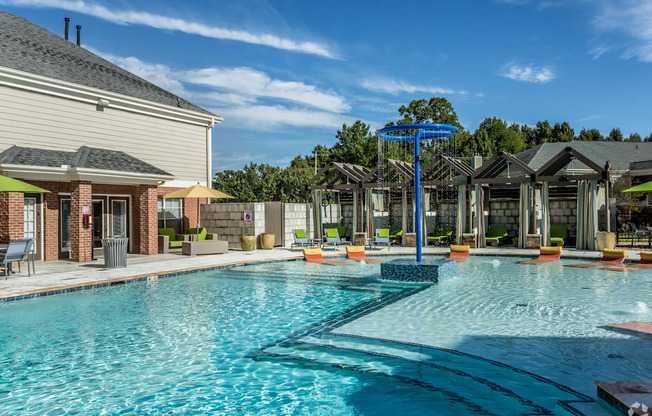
[[442, 370]]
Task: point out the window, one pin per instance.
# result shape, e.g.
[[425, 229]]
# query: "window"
[[170, 214]]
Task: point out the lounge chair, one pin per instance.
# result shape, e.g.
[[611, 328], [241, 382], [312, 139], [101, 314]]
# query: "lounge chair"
[[301, 239], [546, 255], [558, 235], [609, 258], [313, 255], [17, 251], [442, 234], [168, 238], [644, 263], [342, 230], [495, 235], [333, 238], [458, 253], [395, 233], [356, 253], [382, 238], [202, 235]]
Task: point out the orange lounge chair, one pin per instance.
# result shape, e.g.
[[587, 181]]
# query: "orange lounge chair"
[[313, 255], [357, 253], [609, 258], [458, 253], [644, 263], [546, 255]]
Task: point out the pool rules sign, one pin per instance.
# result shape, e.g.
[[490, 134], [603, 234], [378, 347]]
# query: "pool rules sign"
[[247, 217]]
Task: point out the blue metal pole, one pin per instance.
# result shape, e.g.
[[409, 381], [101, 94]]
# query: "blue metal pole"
[[417, 194]]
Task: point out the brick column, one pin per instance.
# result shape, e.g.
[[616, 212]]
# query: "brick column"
[[11, 216], [51, 226], [148, 226], [81, 238]]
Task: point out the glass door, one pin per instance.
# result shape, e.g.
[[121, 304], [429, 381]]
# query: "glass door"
[[32, 221], [64, 227], [98, 226], [119, 226]]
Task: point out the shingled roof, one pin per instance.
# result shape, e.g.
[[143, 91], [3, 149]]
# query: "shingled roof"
[[620, 154], [84, 157], [27, 47]]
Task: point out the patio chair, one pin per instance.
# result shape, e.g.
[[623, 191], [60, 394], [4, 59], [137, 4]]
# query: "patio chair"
[[313, 255], [302, 240], [442, 234], [342, 230], [459, 252], [495, 235], [609, 258], [636, 232], [356, 253], [202, 235], [17, 251], [558, 235], [168, 238], [333, 238], [382, 237], [546, 255]]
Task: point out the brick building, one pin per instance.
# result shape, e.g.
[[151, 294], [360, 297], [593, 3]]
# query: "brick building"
[[102, 140]]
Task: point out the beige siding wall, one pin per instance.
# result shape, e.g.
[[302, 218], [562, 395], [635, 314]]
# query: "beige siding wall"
[[39, 120]]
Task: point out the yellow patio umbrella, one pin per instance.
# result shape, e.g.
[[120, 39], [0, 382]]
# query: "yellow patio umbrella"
[[197, 191]]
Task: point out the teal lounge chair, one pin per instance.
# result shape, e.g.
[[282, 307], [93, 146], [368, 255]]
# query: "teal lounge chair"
[[495, 235], [333, 238], [302, 240], [558, 235], [442, 234], [382, 237]]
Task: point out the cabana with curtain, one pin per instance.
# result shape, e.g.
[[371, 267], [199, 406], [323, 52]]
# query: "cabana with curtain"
[[461, 212], [587, 215], [524, 206]]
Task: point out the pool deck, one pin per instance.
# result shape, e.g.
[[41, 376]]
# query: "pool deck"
[[62, 276]]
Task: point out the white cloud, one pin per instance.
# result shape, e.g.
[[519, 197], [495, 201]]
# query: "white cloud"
[[172, 23], [630, 17], [391, 86], [528, 73], [222, 161], [268, 117], [249, 81]]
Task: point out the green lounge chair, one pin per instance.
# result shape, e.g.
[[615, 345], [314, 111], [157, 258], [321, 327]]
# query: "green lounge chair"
[[395, 232], [333, 238], [442, 234], [341, 230], [168, 238], [495, 235], [558, 235], [382, 237], [301, 240]]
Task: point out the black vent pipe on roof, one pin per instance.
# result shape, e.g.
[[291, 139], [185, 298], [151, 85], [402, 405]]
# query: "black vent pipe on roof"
[[67, 19], [78, 35]]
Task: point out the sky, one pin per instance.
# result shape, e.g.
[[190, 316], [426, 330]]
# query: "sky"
[[285, 75]]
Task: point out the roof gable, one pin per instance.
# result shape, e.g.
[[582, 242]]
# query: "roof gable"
[[27, 47]]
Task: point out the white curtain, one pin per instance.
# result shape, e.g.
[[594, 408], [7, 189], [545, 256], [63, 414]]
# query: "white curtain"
[[524, 214], [461, 212], [587, 215]]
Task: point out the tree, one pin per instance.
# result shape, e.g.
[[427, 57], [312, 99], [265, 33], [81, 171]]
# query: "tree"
[[634, 137], [648, 138], [436, 110], [615, 135], [562, 132], [356, 145], [504, 138], [254, 183], [590, 135], [542, 132]]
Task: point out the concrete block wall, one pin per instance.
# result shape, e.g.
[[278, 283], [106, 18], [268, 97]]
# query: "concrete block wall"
[[504, 214], [297, 216], [564, 212], [227, 220]]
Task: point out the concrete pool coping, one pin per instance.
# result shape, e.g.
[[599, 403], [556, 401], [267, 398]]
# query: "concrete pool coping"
[[62, 277]]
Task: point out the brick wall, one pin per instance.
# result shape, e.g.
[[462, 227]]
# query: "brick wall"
[[81, 237], [148, 221], [189, 208], [11, 216]]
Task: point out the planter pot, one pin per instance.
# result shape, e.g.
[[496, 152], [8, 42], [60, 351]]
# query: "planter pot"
[[605, 240], [267, 241], [248, 242]]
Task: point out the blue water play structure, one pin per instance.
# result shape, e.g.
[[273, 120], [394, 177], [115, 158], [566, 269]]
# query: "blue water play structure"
[[414, 133]]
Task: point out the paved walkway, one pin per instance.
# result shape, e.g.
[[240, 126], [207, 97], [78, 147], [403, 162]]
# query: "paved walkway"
[[64, 275]]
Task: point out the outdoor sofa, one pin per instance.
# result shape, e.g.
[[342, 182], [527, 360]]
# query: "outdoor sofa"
[[203, 243], [168, 238]]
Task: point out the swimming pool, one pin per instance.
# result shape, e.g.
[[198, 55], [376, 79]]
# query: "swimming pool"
[[297, 338]]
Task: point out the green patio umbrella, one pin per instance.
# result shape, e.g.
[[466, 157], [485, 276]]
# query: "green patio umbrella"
[[14, 185], [644, 188]]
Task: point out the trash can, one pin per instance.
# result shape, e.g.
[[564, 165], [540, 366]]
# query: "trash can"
[[115, 252]]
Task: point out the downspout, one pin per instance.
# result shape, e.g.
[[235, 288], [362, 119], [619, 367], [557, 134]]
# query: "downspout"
[[209, 154]]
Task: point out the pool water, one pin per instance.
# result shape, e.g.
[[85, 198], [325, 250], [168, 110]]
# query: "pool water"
[[214, 342]]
